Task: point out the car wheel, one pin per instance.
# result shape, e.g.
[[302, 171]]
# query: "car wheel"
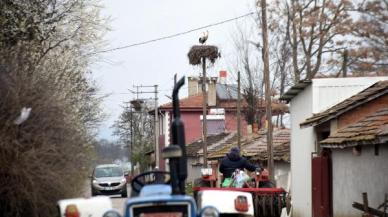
[[94, 193]]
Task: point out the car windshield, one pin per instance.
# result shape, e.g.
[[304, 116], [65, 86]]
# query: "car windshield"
[[108, 172]]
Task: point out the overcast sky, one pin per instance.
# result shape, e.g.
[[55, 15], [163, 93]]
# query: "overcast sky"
[[156, 63]]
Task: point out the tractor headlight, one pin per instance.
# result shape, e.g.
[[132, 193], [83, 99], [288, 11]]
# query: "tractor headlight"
[[209, 211]]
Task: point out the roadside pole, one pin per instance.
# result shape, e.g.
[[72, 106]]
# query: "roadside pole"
[[204, 111], [267, 89], [157, 152], [238, 111]]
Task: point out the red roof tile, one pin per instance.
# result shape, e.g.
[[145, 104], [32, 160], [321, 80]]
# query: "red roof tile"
[[195, 102], [371, 130], [187, 102]]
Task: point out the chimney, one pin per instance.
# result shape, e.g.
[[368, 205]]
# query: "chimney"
[[223, 75], [212, 94], [193, 85]]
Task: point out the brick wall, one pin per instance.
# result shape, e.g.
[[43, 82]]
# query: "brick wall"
[[362, 111], [231, 122]]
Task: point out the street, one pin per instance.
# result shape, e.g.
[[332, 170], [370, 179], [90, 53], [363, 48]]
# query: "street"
[[117, 201]]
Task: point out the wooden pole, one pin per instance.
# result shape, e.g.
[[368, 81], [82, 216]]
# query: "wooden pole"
[[267, 89], [156, 129], [204, 112], [238, 111], [132, 138], [366, 205], [345, 64]]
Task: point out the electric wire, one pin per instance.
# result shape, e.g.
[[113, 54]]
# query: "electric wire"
[[171, 36]]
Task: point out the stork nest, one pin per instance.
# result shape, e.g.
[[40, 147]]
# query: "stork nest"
[[197, 52]]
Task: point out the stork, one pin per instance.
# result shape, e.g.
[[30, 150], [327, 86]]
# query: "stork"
[[204, 37]]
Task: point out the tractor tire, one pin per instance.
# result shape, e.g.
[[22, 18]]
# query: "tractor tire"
[[200, 183], [125, 193], [267, 184]]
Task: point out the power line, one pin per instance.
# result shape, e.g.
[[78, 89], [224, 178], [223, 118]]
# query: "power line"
[[172, 36]]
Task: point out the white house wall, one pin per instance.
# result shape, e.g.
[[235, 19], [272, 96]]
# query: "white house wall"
[[330, 91], [322, 94], [353, 175], [302, 141], [282, 171]]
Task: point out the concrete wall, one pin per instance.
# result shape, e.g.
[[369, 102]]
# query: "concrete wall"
[[322, 94], [194, 172], [282, 171], [330, 91], [353, 175], [302, 144]]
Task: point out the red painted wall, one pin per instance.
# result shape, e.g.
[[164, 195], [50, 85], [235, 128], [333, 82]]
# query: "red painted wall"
[[231, 122], [193, 128]]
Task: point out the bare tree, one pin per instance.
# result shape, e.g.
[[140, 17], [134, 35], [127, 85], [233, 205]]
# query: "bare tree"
[[370, 55], [315, 24], [43, 67], [136, 128]]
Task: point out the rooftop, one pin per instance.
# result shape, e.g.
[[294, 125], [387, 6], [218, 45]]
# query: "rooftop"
[[255, 146], [295, 90], [227, 91], [194, 147], [195, 103], [373, 129]]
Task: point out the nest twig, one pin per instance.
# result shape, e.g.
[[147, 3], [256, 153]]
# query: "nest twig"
[[197, 52]]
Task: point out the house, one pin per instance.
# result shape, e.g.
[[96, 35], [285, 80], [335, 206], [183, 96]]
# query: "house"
[[306, 99], [254, 147], [357, 149], [194, 163], [221, 113]]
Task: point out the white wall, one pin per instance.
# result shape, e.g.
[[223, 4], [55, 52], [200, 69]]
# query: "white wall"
[[282, 171], [330, 91], [322, 94], [302, 141], [193, 172], [353, 175]]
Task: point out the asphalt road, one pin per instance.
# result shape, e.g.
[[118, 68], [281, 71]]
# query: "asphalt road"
[[117, 201]]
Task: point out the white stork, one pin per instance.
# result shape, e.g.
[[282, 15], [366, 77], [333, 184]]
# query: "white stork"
[[204, 37]]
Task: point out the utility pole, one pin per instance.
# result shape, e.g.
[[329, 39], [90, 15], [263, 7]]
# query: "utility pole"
[[267, 89], [156, 128], [156, 118], [204, 112], [132, 137], [238, 111]]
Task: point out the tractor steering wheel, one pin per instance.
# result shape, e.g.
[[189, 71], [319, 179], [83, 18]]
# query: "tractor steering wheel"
[[148, 178]]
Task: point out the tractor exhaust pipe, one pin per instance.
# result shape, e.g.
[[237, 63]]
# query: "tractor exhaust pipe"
[[178, 165]]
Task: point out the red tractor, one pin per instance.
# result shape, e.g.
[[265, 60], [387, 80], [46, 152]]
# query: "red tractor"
[[267, 200]]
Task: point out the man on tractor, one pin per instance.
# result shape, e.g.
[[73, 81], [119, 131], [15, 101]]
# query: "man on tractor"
[[232, 162]]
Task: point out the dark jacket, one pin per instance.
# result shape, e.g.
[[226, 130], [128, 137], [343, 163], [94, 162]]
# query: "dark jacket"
[[233, 161]]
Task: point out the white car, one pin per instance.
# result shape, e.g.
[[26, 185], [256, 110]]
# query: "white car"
[[108, 179]]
